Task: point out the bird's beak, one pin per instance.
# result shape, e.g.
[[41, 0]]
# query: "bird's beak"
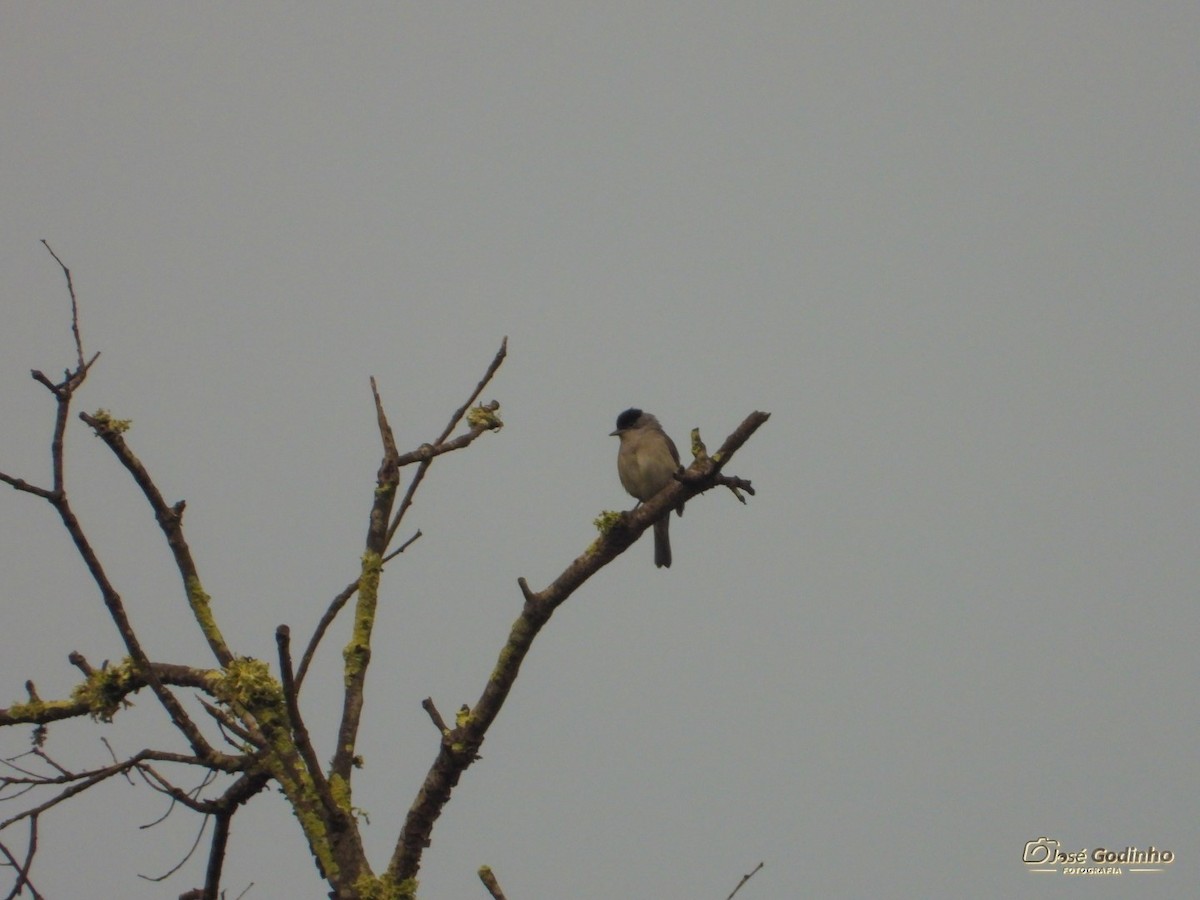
[[614, 433]]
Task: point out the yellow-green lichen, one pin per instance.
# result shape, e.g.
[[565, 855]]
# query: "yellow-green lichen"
[[33, 710], [607, 521], [463, 717], [372, 565], [340, 791], [298, 787], [357, 652], [106, 422], [604, 523], [247, 683], [248, 688], [201, 606], [502, 663], [306, 805], [517, 636], [318, 841], [28, 710], [384, 888], [483, 416], [105, 690]]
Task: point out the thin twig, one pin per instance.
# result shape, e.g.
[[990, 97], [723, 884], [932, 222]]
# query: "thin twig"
[[74, 304], [226, 722], [179, 865], [20, 484], [412, 540], [493, 366], [406, 502], [745, 878], [71, 790], [48, 760], [335, 607], [22, 880], [113, 754], [157, 782]]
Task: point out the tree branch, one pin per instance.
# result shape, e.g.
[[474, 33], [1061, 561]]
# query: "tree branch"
[[299, 731], [22, 869], [490, 882], [79, 782], [439, 446], [74, 304], [357, 654], [21, 484], [459, 747], [745, 878], [331, 612], [103, 693], [170, 521], [216, 855]]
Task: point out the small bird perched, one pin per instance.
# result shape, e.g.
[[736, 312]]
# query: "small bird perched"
[[647, 462]]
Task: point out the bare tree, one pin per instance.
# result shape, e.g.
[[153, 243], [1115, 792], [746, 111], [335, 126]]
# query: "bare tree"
[[252, 735]]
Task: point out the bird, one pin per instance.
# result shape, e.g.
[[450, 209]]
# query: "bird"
[[647, 461]]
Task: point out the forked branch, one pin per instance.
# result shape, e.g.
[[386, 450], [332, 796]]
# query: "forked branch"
[[460, 745]]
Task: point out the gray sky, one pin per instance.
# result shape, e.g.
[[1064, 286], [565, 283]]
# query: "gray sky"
[[951, 248]]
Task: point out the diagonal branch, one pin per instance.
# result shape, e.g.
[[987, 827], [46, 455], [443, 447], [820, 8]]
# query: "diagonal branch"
[[116, 610], [488, 877], [22, 880], [460, 745], [77, 783], [170, 521], [335, 607], [20, 484], [745, 878], [299, 730], [492, 368]]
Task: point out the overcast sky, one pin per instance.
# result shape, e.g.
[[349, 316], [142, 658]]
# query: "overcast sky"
[[952, 248]]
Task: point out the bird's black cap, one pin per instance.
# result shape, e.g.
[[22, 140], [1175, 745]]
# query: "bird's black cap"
[[627, 418]]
